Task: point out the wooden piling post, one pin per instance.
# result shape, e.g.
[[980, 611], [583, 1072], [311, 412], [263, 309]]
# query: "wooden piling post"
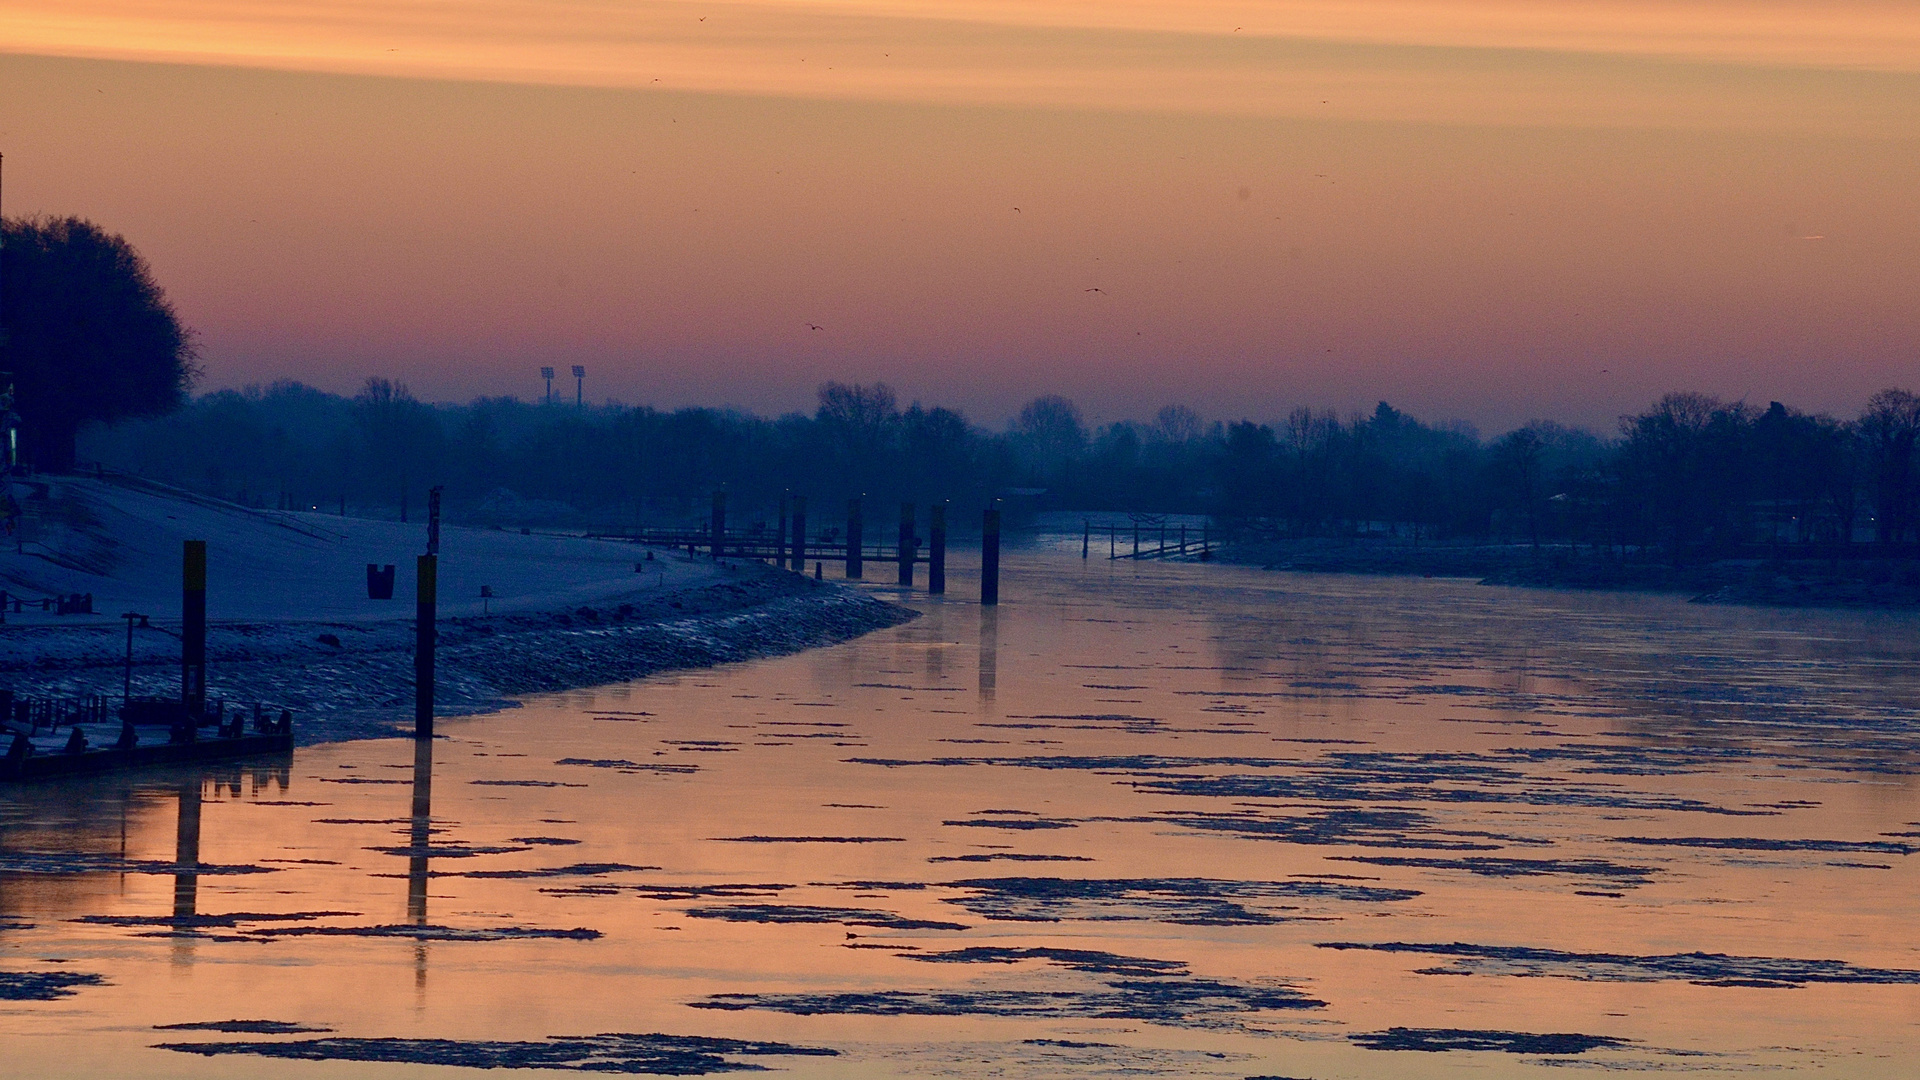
[[193, 626], [856, 553], [426, 586], [990, 557], [780, 535], [937, 549], [1113, 537], [1086, 536], [719, 524], [907, 544], [800, 534]]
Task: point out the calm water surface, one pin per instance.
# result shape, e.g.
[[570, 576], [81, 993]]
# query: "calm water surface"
[[1164, 820]]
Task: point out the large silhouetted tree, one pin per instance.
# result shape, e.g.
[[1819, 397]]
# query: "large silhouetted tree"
[[92, 336]]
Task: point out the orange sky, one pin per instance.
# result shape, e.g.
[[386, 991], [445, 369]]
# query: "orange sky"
[[1481, 210]]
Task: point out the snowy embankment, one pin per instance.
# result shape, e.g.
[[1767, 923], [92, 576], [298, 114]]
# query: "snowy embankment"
[[290, 623]]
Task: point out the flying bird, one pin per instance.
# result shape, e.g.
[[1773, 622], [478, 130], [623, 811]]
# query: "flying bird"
[[815, 326], [1100, 291]]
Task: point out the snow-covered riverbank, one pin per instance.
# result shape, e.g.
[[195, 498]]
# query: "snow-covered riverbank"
[[291, 624]]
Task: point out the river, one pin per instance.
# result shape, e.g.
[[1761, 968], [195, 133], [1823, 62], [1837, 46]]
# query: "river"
[[1141, 820]]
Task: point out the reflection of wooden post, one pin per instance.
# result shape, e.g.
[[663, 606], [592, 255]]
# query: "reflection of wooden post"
[[193, 627], [719, 524], [186, 854], [420, 835], [990, 557], [426, 585], [937, 549], [856, 538], [800, 533], [906, 544]]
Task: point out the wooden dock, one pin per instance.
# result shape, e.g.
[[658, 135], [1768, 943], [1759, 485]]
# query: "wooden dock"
[[41, 766], [1151, 540], [48, 737]]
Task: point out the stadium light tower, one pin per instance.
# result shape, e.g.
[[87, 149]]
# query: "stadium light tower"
[[547, 374], [579, 386]]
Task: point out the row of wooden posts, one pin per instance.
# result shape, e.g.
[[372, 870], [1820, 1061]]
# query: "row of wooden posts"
[[789, 546], [789, 550]]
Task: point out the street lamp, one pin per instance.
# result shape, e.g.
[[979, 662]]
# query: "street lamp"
[[547, 374], [579, 386]]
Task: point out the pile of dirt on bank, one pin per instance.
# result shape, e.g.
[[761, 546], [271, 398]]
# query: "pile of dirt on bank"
[[1853, 583]]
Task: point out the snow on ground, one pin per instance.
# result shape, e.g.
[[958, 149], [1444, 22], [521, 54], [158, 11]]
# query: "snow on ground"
[[120, 539], [290, 623]]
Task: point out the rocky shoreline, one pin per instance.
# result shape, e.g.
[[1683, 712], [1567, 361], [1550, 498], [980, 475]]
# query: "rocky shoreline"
[[355, 680]]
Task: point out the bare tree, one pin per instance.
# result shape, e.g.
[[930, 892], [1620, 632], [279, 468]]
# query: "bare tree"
[[1890, 426]]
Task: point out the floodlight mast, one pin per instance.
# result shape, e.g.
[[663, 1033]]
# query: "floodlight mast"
[[547, 374], [579, 386]]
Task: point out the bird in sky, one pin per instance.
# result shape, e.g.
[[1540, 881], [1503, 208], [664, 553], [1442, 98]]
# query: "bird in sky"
[[1100, 291], [815, 326]]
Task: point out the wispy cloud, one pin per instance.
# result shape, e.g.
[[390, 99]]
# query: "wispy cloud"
[[1693, 63]]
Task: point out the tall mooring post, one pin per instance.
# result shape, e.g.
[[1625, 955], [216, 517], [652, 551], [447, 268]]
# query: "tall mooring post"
[[193, 627], [990, 557], [856, 540], [719, 524], [426, 590], [800, 534], [937, 549], [908, 543], [780, 535]]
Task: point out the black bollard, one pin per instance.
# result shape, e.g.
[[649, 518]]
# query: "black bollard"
[[907, 544], [426, 585], [855, 539], [990, 557], [937, 549], [800, 534], [719, 524], [193, 627]]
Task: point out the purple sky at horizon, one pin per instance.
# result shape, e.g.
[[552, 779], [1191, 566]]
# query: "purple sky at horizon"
[[1484, 210]]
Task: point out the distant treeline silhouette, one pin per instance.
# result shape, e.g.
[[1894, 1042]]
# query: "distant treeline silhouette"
[[1691, 475]]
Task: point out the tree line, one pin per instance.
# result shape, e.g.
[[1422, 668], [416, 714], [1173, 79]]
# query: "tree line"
[[89, 342], [1689, 476]]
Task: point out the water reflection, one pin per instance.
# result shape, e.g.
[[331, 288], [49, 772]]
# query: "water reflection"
[[989, 656], [419, 842], [1204, 807], [186, 873]]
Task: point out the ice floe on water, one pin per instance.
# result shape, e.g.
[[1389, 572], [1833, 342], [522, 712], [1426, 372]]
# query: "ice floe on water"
[[1141, 821]]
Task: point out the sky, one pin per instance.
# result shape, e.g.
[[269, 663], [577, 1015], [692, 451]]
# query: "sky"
[[1486, 211]]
